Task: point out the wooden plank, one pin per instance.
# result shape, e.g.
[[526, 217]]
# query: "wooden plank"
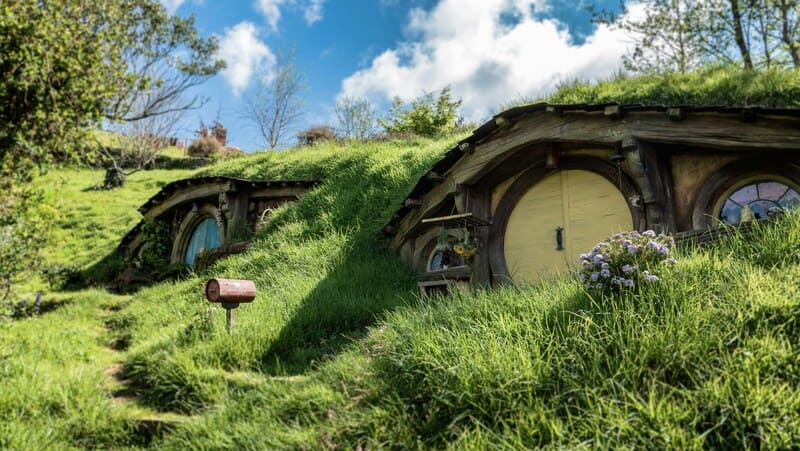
[[458, 220], [533, 130], [279, 191], [186, 195], [711, 130], [718, 131], [432, 201]]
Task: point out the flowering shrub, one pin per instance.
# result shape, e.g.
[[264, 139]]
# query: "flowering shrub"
[[625, 260]]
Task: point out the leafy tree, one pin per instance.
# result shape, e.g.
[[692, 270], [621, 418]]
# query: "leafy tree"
[[67, 66], [426, 116], [355, 118], [679, 35], [275, 104]]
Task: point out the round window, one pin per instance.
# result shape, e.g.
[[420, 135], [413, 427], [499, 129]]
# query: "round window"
[[445, 258], [758, 200]]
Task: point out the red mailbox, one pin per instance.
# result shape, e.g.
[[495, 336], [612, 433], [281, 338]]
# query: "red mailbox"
[[230, 291]]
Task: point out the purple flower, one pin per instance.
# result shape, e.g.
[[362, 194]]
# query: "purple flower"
[[649, 233], [632, 249], [628, 282], [627, 268], [605, 273], [594, 276], [599, 258], [649, 278]]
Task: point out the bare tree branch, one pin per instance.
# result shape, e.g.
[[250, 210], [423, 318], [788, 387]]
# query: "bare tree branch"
[[274, 104]]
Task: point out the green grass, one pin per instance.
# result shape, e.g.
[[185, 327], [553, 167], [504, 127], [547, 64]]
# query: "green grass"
[[52, 368], [714, 86], [92, 221], [338, 351]]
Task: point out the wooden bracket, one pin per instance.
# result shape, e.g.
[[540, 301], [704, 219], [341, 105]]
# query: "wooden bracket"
[[613, 112], [675, 114], [412, 203]]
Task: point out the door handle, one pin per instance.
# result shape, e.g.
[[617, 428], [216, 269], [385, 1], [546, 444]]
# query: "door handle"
[[559, 238]]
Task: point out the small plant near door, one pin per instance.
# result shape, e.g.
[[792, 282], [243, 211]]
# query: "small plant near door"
[[626, 260]]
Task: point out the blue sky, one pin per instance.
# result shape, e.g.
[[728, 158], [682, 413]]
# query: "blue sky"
[[491, 52]]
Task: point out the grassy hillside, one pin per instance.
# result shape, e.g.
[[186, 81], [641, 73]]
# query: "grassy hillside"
[[337, 351], [710, 86]]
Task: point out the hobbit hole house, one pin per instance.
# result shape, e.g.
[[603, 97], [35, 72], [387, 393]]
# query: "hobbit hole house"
[[214, 216], [538, 185]]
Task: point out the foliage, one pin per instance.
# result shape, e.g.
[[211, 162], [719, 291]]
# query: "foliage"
[[156, 234], [625, 261], [60, 276], [68, 64], [315, 135], [275, 104], [355, 118], [680, 35], [25, 225], [426, 116], [708, 86], [204, 147]]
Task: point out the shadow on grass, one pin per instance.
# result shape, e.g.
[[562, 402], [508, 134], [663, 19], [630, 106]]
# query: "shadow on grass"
[[355, 295], [367, 282]]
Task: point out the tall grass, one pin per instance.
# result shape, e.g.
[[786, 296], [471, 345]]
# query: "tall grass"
[[717, 86], [338, 352]]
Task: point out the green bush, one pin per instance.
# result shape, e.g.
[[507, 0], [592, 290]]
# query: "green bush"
[[427, 116], [205, 147]]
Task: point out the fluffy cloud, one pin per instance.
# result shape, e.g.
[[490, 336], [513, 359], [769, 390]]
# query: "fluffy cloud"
[[245, 55], [487, 59], [313, 11], [271, 10]]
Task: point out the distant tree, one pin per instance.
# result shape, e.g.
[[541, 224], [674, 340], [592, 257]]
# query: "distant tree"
[[426, 116], [679, 35], [204, 147], [275, 104], [663, 39], [355, 118], [315, 135]]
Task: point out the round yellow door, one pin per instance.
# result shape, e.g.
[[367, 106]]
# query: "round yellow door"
[[559, 218]]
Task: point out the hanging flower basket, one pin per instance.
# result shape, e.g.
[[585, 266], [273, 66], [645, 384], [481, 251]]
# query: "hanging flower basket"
[[465, 249]]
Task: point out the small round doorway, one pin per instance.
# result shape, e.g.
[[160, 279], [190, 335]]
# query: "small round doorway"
[[206, 236]]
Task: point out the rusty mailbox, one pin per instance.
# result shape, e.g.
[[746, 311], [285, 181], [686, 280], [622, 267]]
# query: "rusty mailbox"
[[230, 293]]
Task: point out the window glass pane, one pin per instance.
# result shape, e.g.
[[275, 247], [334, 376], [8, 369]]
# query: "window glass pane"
[[761, 208], [771, 190], [745, 195], [790, 200], [436, 261], [730, 213]]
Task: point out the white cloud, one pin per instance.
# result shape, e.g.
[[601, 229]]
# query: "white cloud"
[[245, 55], [172, 5], [488, 63], [271, 10], [313, 11]]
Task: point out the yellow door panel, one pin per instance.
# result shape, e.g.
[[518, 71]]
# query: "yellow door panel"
[[596, 210], [530, 244], [585, 204]]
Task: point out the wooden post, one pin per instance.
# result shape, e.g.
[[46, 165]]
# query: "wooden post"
[[230, 319]]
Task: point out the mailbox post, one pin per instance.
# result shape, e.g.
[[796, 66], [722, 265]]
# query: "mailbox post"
[[230, 293]]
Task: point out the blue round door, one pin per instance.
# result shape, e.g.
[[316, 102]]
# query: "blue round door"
[[206, 236]]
